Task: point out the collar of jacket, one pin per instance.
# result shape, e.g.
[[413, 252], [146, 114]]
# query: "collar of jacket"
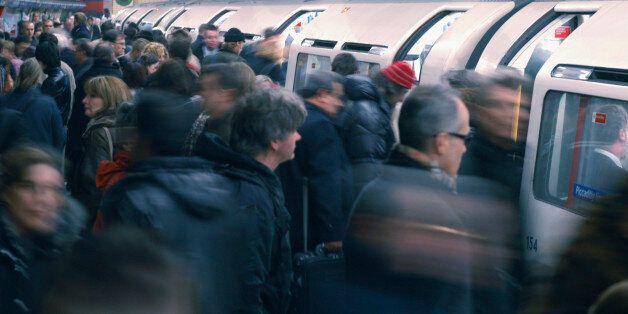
[[107, 118], [52, 72], [399, 159], [312, 107]]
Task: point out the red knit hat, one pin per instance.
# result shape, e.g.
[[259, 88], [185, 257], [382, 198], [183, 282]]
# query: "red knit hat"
[[400, 73]]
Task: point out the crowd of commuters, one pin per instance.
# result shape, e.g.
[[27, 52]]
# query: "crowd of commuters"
[[145, 174]]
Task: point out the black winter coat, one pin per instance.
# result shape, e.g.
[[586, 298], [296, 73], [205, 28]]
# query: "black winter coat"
[[97, 145], [262, 65], [367, 130], [223, 56], [81, 31], [25, 262], [57, 85], [40, 115], [192, 207], [320, 163], [268, 275], [12, 129]]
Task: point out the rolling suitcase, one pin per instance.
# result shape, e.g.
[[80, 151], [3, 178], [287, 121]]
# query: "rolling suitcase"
[[319, 276]]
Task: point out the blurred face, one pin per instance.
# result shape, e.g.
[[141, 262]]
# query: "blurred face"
[[152, 68], [497, 120], [34, 203], [211, 39], [216, 100], [119, 46], [332, 101], [29, 30], [21, 47], [69, 23], [92, 104], [48, 26], [285, 148], [453, 146]]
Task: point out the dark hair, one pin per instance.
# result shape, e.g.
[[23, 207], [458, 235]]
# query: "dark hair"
[[44, 37], [104, 53], [235, 75], [48, 54], [131, 31], [15, 162], [106, 26], [148, 59], [616, 120], [176, 115], [427, 111], [22, 39], [29, 52], [180, 34], [344, 64], [122, 270], [83, 44], [39, 25], [320, 80], [386, 86], [111, 35], [262, 117], [172, 76], [134, 75], [211, 27], [180, 48], [158, 36]]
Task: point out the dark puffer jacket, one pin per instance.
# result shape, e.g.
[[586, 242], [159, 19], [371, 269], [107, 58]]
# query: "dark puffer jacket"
[[182, 199], [97, 145], [268, 275], [366, 123], [57, 85], [262, 65], [25, 261]]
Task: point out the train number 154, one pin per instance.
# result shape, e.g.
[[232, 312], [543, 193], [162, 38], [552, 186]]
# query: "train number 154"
[[532, 243]]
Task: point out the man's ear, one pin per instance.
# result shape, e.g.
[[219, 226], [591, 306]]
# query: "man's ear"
[[440, 144], [274, 145], [623, 135]]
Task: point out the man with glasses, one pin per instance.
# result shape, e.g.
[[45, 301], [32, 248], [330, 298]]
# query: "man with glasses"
[[117, 41]]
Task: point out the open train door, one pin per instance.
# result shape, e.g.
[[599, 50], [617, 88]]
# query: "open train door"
[[197, 15], [580, 92]]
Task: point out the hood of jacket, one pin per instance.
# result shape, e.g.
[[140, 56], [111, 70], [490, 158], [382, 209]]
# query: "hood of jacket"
[[190, 181], [359, 87], [106, 119]]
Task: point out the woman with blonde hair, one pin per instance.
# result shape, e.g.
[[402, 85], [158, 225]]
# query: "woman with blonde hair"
[[158, 50], [103, 96]]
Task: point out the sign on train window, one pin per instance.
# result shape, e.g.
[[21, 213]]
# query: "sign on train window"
[[582, 150], [308, 63], [418, 47], [296, 23], [535, 52], [367, 68]]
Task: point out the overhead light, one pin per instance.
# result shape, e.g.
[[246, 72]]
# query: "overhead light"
[[572, 72]]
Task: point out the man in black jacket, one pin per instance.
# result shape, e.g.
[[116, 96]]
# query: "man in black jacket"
[[209, 45], [263, 135], [57, 84], [321, 167]]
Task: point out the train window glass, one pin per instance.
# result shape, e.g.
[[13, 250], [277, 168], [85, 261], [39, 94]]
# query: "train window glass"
[[296, 24], [534, 54], [367, 68], [308, 63], [423, 44], [166, 17], [582, 151]]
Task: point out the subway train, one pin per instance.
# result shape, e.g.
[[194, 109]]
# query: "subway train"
[[574, 52]]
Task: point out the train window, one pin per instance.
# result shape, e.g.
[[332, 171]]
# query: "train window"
[[417, 48], [167, 17], [308, 63], [535, 52], [221, 17], [367, 68], [296, 23], [582, 151]]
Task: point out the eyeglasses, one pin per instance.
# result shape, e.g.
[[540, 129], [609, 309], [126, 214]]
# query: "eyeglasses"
[[466, 138], [35, 188]]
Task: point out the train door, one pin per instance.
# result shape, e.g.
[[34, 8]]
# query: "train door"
[[121, 18], [576, 144], [193, 17], [155, 16], [169, 18], [137, 16]]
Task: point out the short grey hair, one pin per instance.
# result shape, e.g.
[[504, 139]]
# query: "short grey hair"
[[426, 112], [320, 80], [264, 116]]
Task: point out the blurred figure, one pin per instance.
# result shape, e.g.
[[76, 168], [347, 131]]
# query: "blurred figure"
[[159, 37], [366, 121], [199, 41], [135, 76], [8, 51], [182, 199], [22, 43], [179, 48], [103, 65], [83, 52], [135, 272], [80, 29], [39, 112], [597, 253], [221, 87], [48, 26], [38, 224], [263, 135], [150, 62], [210, 44], [344, 64], [39, 28], [158, 50], [57, 84], [174, 77], [136, 51], [68, 24], [103, 96], [27, 29], [13, 132], [230, 50], [6, 79], [66, 53], [117, 41], [499, 116], [265, 56], [405, 247], [320, 170], [612, 300]]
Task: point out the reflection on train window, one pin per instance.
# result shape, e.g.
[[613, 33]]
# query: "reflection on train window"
[[424, 43], [296, 24], [583, 149], [308, 63], [534, 53], [367, 68]]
